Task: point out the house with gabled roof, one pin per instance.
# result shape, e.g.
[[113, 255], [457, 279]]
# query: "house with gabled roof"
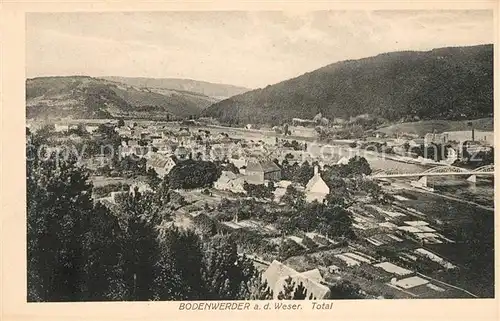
[[277, 273], [258, 171], [162, 164], [229, 181]]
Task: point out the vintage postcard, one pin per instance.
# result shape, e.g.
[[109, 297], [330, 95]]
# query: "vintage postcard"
[[318, 161]]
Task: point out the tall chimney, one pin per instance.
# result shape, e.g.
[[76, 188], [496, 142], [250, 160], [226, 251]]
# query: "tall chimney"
[[316, 170]]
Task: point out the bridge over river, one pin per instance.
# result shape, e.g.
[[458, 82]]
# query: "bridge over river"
[[443, 170]]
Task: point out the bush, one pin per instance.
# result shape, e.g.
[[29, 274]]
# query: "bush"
[[345, 290]]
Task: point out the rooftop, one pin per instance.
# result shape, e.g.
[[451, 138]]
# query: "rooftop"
[[265, 166], [277, 273]]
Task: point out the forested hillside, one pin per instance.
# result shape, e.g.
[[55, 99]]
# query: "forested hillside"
[[446, 83]]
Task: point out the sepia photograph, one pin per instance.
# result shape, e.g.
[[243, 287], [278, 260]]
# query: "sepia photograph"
[[313, 155]]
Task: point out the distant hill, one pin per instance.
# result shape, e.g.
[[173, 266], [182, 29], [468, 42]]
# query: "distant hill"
[[446, 83], [219, 91], [87, 97]]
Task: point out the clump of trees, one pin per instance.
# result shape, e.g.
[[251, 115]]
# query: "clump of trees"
[[193, 174], [295, 145], [298, 173], [260, 190], [331, 219], [356, 167]]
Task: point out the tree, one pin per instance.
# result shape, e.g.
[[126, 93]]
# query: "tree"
[[337, 222], [358, 166], [285, 130], [300, 292], [339, 193], [225, 272], [259, 190], [345, 290], [304, 174], [294, 198], [121, 122], [291, 291], [288, 290], [153, 180], [180, 275], [258, 289]]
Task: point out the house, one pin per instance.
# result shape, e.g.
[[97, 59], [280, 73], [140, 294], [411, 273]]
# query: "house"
[[229, 181], [486, 137], [343, 161], [91, 128], [141, 151], [136, 132], [101, 160], [61, 127], [316, 188], [183, 132], [238, 162], [182, 153], [260, 171], [133, 143], [140, 186], [219, 152], [302, 122], [157, 141], [124, 131], [145, 135], [166, 147], [436, 138], [166, 134], [417, 142], [452, 155], [277, 273], [161, 164]]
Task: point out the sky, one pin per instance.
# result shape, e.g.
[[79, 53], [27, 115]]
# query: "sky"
[[251, 49]]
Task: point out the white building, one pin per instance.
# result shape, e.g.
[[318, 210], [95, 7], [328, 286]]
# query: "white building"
[[229, 181], [61, 127], [277, 273], [316, 188]]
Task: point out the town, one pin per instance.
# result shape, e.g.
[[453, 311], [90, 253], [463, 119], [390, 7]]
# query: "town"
[[219, 156], [307, 205]]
